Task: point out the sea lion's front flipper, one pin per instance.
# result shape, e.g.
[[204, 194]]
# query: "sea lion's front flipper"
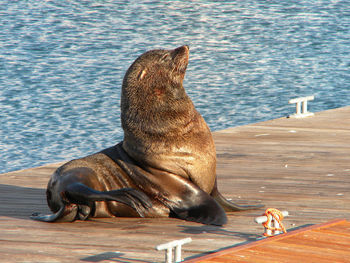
[[229, 206], [182, 197], [200, 208], [81, 194]]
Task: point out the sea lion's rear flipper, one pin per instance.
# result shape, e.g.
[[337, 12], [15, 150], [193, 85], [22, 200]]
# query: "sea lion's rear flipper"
[[78, 202], [229, 206], [67, 213], [200, 208], [81, 194]]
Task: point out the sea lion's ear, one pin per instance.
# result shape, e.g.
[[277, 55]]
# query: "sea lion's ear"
[[142, 74]]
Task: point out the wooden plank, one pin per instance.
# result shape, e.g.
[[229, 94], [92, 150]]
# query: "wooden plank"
[[309, 244], [261, 242], [320, 241], [292, 253]]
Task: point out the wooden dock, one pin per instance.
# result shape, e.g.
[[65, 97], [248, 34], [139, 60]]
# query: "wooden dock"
[[298, 165]]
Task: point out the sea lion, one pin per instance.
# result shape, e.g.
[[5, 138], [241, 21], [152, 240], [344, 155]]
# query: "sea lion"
[[164, 167]]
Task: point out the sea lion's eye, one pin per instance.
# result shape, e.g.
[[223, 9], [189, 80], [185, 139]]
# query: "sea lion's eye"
[[165, 57], [142, 74]]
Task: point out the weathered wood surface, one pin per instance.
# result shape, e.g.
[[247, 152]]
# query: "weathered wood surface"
[[299, 165], [322, 243]]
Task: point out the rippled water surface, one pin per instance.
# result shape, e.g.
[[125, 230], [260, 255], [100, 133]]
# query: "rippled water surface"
[[62, 64]]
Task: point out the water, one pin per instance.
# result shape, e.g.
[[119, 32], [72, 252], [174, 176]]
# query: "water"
[[62, 64]]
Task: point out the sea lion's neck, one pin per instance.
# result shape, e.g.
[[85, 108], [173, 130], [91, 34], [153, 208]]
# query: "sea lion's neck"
[[156, 117], [158, 124]]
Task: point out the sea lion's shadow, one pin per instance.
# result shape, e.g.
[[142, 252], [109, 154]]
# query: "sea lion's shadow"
[[20, 202], [112, 256], [217, 230]]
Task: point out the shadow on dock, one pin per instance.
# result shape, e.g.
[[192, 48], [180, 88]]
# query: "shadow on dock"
[[112, 256], [21, 202], [216, 230]]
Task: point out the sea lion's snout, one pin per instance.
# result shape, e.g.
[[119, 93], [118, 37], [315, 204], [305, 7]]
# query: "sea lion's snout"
[[183, 50], [185, 47], [180, 57]]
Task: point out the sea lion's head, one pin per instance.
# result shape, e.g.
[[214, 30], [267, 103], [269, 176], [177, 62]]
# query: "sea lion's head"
[[156, 64], [156, 74], [153, 97]]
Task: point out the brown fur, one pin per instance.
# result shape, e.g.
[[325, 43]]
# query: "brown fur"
[[162, 128]]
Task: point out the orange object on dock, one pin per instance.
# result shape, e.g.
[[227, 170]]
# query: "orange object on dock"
[[328, 242], [273, 214]]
